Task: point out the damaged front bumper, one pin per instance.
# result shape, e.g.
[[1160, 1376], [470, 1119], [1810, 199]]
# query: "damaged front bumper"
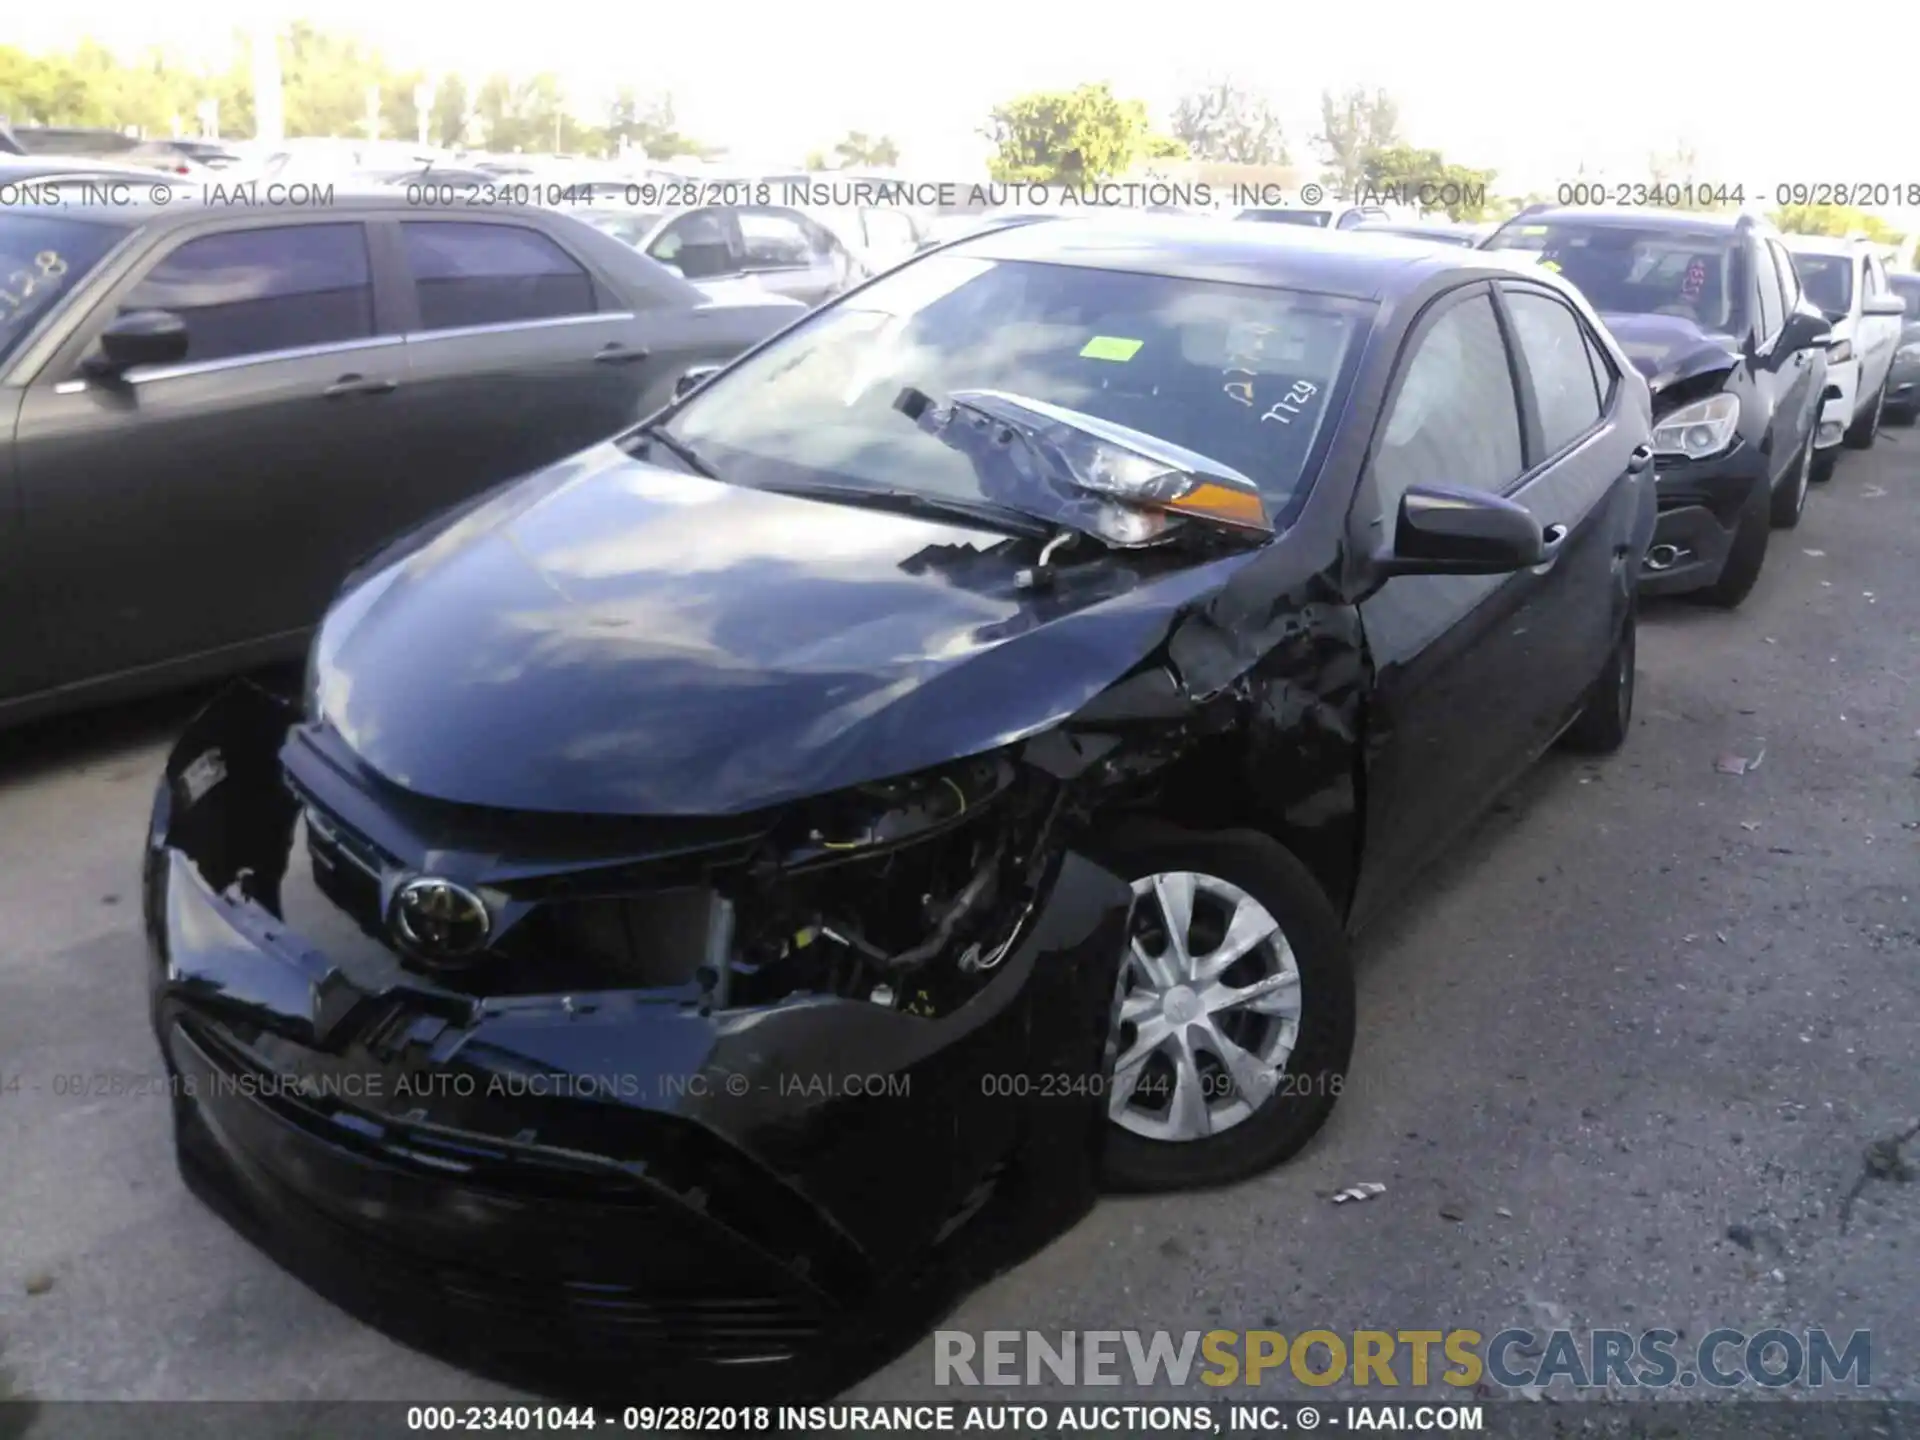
[[579, 1188]]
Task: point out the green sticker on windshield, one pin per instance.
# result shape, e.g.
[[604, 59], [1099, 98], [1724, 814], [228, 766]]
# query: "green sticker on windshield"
[[1533, 229], [1110, 347]]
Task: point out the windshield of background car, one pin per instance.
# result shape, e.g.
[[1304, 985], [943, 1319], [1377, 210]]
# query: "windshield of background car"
[[42, 258], [1827, 279], [1907, 287], [1244, 375], [1623, 270]]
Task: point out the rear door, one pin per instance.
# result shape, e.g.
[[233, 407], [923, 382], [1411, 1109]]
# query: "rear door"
[[1473, 674], [517, 354], [193, 506]]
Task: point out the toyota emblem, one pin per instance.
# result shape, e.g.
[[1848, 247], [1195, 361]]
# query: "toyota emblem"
[[439, 921]]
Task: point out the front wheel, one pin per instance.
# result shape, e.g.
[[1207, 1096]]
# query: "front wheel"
[[1234, 1013]]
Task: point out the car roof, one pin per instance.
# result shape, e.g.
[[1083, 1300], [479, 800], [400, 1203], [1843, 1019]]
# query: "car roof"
[[1357, 264], [1624, 218], [183, 206]]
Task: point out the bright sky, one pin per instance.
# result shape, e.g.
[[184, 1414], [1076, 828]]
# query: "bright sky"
[[1529, 90]]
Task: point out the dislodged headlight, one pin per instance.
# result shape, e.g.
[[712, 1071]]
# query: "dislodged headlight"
[[1153, 483], [1699, 430]]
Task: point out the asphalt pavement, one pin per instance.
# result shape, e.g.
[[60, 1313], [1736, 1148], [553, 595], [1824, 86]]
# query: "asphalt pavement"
[[1623, 1058]]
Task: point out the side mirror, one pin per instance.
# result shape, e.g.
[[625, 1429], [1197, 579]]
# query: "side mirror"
[[1885, 305], [139, 337], [1804, 330], [694, 379], [1441, 530]]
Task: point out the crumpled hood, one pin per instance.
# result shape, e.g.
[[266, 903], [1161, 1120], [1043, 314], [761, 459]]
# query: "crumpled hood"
[[1666, 348], [610, 636]]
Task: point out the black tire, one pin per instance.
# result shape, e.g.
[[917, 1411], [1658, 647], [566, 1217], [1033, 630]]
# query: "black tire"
[[1865, 428], [1790, 500], [1608, 713], [1302, 1090], [1823, 463], [1746, 556]]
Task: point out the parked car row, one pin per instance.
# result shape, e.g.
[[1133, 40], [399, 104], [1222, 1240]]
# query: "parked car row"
[[1764, 352], [1033, 663]]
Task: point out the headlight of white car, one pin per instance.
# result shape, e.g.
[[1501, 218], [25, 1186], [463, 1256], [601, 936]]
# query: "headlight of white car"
[[1698, 430]]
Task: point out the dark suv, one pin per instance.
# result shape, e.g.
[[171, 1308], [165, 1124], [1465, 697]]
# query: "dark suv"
[[1709, 309]]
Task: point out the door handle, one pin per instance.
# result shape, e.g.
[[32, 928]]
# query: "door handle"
[[618, 354], [1641, 457], [359, 385], [1551, 538]]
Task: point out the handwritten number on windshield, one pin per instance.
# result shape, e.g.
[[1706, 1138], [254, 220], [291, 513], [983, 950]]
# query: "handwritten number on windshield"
[[1289, 405], [48, 265]]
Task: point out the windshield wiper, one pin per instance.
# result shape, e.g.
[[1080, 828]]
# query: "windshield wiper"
[[917, 503], [681, 451]]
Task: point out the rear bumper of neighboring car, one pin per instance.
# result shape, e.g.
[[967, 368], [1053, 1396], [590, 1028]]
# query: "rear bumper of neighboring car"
[[1700, 504], [609, 1193], [1837, 413]]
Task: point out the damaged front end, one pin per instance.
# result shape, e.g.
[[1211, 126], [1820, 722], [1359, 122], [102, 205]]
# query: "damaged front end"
[[748, 1098]]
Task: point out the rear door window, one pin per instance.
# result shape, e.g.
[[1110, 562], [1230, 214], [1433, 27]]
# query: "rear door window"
[[474, 274]]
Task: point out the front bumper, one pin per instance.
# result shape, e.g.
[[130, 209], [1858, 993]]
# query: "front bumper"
[[1837, 412], [1700, 504], [608, 1193]]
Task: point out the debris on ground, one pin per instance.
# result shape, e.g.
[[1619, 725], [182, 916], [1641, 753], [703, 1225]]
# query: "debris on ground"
[[1749, 824], [1366, 1190], [1741, 1235], [1451, 1212], [1881, 1160], [1503, 1212], [1816, 554], [1739, 764], [39, 1283]]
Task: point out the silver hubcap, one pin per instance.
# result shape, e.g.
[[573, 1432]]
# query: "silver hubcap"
[[1207, 1011]]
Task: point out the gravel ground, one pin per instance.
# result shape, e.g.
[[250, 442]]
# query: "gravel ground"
[[1624, 1059]]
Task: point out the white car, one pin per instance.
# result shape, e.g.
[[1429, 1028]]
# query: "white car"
[[1848, 281]]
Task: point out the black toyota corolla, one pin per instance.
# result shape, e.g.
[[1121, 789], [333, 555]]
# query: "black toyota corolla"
[[768, 870]]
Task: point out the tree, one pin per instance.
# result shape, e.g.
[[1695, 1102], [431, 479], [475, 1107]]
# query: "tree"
[[448, 127], [1070, 137], [1673, 175], [872, 151], [1429, 180], [1353, 126], [1225, 124], [1836, 220]]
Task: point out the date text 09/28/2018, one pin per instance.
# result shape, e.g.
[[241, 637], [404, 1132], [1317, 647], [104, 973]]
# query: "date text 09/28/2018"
[[1700, 194]]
